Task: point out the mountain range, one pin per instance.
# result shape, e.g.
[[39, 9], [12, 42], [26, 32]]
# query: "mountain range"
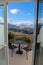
[[23, 28]]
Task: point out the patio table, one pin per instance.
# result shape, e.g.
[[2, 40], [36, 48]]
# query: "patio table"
[[19, 51]]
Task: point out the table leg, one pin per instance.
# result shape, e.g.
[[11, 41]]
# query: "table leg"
[[19, 50]]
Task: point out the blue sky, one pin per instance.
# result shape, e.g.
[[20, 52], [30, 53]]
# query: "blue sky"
[[40, 10], [21, 13], [1, 14], [40, 18], [1, 11]]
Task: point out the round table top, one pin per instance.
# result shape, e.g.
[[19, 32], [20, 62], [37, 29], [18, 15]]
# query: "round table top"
[[19, 42]]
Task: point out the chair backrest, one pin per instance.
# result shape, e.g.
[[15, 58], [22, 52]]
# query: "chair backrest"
[[10, 45]]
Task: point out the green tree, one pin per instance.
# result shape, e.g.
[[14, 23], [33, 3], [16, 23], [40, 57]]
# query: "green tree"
[[26, 39], [10, 38]]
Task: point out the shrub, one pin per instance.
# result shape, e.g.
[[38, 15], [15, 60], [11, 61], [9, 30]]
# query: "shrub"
[[10, 37]]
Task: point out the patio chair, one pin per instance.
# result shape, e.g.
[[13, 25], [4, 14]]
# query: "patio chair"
[[11, 47], [27, 49]]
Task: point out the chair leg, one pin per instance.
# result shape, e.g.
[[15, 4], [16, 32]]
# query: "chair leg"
[[12, 53], [26, 55]]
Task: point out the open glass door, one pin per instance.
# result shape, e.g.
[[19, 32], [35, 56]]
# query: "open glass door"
[[40, 32], [3, 45], [38, 59]]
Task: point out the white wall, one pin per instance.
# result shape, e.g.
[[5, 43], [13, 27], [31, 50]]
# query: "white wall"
[[1, 34], [41, 36], [6, 1]]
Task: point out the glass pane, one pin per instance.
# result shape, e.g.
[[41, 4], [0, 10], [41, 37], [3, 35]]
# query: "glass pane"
[[40, 33], [20, 32], [1, 25], [3, 55]]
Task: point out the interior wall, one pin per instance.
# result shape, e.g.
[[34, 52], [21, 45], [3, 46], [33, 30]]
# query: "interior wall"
[[6, 1]]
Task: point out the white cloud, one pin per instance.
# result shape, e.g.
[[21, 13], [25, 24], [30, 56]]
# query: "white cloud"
[[29, 13], [1, 19], [0, 10], [40, 20], [15, 11], [21, 22], [24, 22], [10, 22]]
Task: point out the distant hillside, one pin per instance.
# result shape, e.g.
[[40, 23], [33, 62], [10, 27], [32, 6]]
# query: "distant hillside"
[[22, 28], [27, 29], [11, 26]]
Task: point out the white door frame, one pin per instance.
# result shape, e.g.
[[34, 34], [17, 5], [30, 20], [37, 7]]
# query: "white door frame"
[[35, 33], [6, 31], [6, 28]]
